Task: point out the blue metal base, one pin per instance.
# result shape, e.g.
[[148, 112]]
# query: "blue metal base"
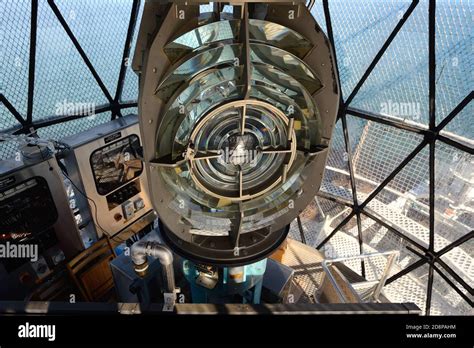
[[234, 284]]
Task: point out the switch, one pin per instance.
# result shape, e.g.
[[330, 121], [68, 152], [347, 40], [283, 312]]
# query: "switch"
[[40, 267], [58, 257], [128, 210], [139, 204]]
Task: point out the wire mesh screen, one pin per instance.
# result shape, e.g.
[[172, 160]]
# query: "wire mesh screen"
[[378, 151], [398, 86], [72, 61], [454, 36], [128, 111], [392, 162], [359, 36], [65, 129], [336, 178], [130, 87], [14, 55], [63, 83], [101, 29]]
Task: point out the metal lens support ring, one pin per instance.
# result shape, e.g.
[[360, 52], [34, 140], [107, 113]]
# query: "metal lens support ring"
[[199, 131]]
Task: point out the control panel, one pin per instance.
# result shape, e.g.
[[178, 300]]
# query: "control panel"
[[123, 194], [107, 174], [37, 229]]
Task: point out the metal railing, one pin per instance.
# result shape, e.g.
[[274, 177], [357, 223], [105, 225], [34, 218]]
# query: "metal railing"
[[376, 286]]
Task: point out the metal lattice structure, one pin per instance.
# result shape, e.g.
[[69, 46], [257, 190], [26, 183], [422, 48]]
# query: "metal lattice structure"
[[66, 33], [389, 180], [394, 180]]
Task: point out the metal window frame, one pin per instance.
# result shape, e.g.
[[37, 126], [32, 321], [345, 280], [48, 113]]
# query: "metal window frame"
[[431, 136], [115, 105]]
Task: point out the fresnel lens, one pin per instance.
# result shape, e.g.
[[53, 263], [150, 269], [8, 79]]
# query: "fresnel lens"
[[236, 111]]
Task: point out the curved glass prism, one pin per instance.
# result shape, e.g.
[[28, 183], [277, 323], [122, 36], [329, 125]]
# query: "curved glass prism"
[[228, 30], [238, 137]]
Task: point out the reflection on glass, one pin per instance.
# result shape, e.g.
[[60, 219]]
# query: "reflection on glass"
[[200, 109], [286, 62], [191, 104], [115, 164], [188, 106], [259, 213], [230, 54], [248, 155], [28, 213], [277, 35], [308, 131], [205, 60], [259, 31], [239, 152], [202, 36]]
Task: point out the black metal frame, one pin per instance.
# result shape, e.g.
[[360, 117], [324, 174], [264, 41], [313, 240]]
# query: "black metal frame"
[[26, 123], [432, 134]]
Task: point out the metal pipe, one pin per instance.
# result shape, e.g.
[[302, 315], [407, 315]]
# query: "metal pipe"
[[139, 252]]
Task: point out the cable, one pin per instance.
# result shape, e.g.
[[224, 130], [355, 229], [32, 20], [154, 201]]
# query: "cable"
[[89, 199], [58, 148], [114, 237]]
